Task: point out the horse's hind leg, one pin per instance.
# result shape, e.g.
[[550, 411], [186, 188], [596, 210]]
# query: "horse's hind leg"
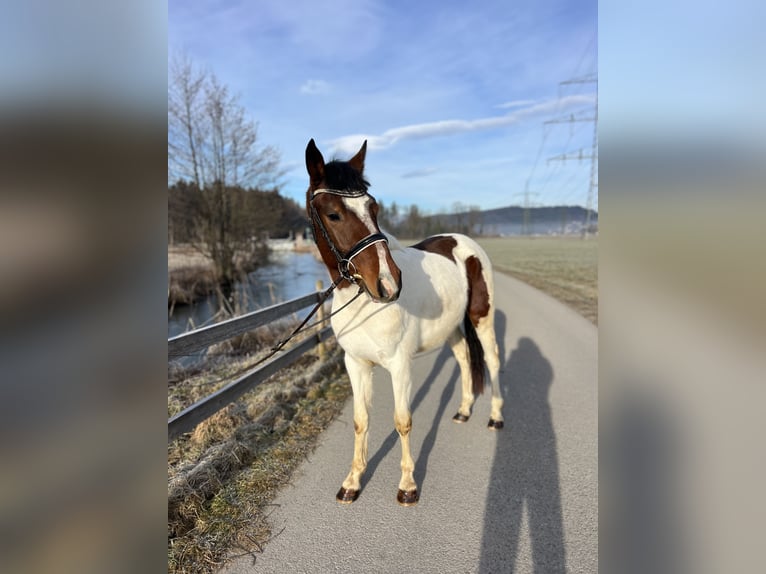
[[485, 330], [459, 348], [360, 373]]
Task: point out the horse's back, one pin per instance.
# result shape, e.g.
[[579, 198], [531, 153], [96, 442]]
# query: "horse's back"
[[444, 277], [458, 248]]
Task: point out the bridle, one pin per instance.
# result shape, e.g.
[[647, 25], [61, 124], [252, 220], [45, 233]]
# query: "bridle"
[[345, 262], [344, 268]]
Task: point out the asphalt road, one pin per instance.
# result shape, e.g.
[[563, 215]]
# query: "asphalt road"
[[524, 499]]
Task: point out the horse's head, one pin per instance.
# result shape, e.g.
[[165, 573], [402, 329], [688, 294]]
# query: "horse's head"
[[345, 220]]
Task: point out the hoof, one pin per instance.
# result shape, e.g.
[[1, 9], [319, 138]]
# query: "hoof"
[[460, 418], [346, 495], [494, 425], [407, 498]]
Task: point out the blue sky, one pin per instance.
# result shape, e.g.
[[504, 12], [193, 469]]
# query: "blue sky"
[[451, 96]]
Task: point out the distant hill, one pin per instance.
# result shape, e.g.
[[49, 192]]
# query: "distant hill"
[[562, 219]]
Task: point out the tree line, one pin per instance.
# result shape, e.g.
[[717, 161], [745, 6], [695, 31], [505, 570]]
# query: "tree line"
[[412, 223], [232, 219]]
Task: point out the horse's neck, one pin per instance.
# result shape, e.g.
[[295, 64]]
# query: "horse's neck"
[[344, 294], [393, 242]]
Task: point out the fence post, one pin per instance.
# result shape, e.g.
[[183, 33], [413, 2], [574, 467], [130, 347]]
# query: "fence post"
[[320, 317]]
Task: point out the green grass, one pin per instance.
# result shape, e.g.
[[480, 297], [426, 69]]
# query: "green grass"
[[564, 267]]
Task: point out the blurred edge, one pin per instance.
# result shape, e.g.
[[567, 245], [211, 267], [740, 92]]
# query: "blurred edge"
[[83, 267], [682, 274], [82, 256], [681, 390]]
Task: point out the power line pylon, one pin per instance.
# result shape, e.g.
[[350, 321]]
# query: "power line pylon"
[[593, 156], [525, 226], [593, 184]]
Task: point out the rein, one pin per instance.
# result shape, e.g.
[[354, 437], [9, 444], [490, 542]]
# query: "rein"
[[345, 262], [302, 327], [344, 266]]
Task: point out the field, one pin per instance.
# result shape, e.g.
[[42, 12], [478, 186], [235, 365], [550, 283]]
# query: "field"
[[565, 268]]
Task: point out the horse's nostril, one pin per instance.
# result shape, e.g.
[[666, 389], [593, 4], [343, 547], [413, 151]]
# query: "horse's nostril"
[[382, 290]]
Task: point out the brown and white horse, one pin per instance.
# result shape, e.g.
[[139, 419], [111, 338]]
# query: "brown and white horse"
[[417, 298]]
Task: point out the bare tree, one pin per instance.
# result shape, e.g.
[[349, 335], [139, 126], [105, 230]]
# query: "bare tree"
[[186, 129], [214, 144]]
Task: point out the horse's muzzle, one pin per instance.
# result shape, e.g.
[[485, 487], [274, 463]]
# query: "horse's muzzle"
[[387, 290]]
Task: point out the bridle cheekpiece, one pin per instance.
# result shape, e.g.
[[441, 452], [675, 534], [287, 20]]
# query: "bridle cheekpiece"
[[345, 261]]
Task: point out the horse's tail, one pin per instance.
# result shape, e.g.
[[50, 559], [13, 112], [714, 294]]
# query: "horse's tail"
[[476, 354]]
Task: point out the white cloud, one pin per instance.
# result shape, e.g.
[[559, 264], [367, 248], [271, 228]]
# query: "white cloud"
[[515, 104], [315, 87], [351, 143]]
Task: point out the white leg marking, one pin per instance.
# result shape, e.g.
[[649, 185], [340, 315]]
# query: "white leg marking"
[[360, 373], [459, 348]]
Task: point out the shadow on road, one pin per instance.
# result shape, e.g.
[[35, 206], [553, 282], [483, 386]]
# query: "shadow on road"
[[640, 462], [525, 470], [391, 440], [421, 463]]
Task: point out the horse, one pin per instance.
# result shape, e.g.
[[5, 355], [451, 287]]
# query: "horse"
[[392, 302]]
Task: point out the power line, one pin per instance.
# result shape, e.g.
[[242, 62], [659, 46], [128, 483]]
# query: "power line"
[[586, 79], [572, 156], [592, 186], [580, 155]]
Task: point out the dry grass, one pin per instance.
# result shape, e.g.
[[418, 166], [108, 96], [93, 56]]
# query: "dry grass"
[[186, 257], [187, 285], [564, 267], [223, 476], [192, 274]]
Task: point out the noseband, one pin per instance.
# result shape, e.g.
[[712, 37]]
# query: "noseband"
[[345, 262]]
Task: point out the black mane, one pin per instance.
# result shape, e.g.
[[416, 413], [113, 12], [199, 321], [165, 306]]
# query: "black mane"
[[341, 176]]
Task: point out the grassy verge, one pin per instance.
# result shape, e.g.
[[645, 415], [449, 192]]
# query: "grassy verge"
[[565, 268], [223, 476]]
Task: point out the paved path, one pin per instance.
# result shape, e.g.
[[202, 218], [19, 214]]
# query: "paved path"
[[521, 500]]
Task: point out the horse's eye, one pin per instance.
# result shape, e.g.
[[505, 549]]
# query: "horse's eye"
[[333, 217]]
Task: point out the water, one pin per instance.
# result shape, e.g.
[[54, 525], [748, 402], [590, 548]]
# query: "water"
[[287, 276]]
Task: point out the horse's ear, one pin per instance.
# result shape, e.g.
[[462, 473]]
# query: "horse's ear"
[[314, 164], [357, 162]]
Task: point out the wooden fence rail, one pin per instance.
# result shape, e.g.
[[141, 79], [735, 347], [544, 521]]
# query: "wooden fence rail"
[[197, 340]]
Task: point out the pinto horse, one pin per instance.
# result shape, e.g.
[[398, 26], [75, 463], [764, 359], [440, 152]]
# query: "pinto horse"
[[399, 302]]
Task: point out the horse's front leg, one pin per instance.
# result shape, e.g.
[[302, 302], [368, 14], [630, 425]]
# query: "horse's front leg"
[[402, 383], [360, 373]]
